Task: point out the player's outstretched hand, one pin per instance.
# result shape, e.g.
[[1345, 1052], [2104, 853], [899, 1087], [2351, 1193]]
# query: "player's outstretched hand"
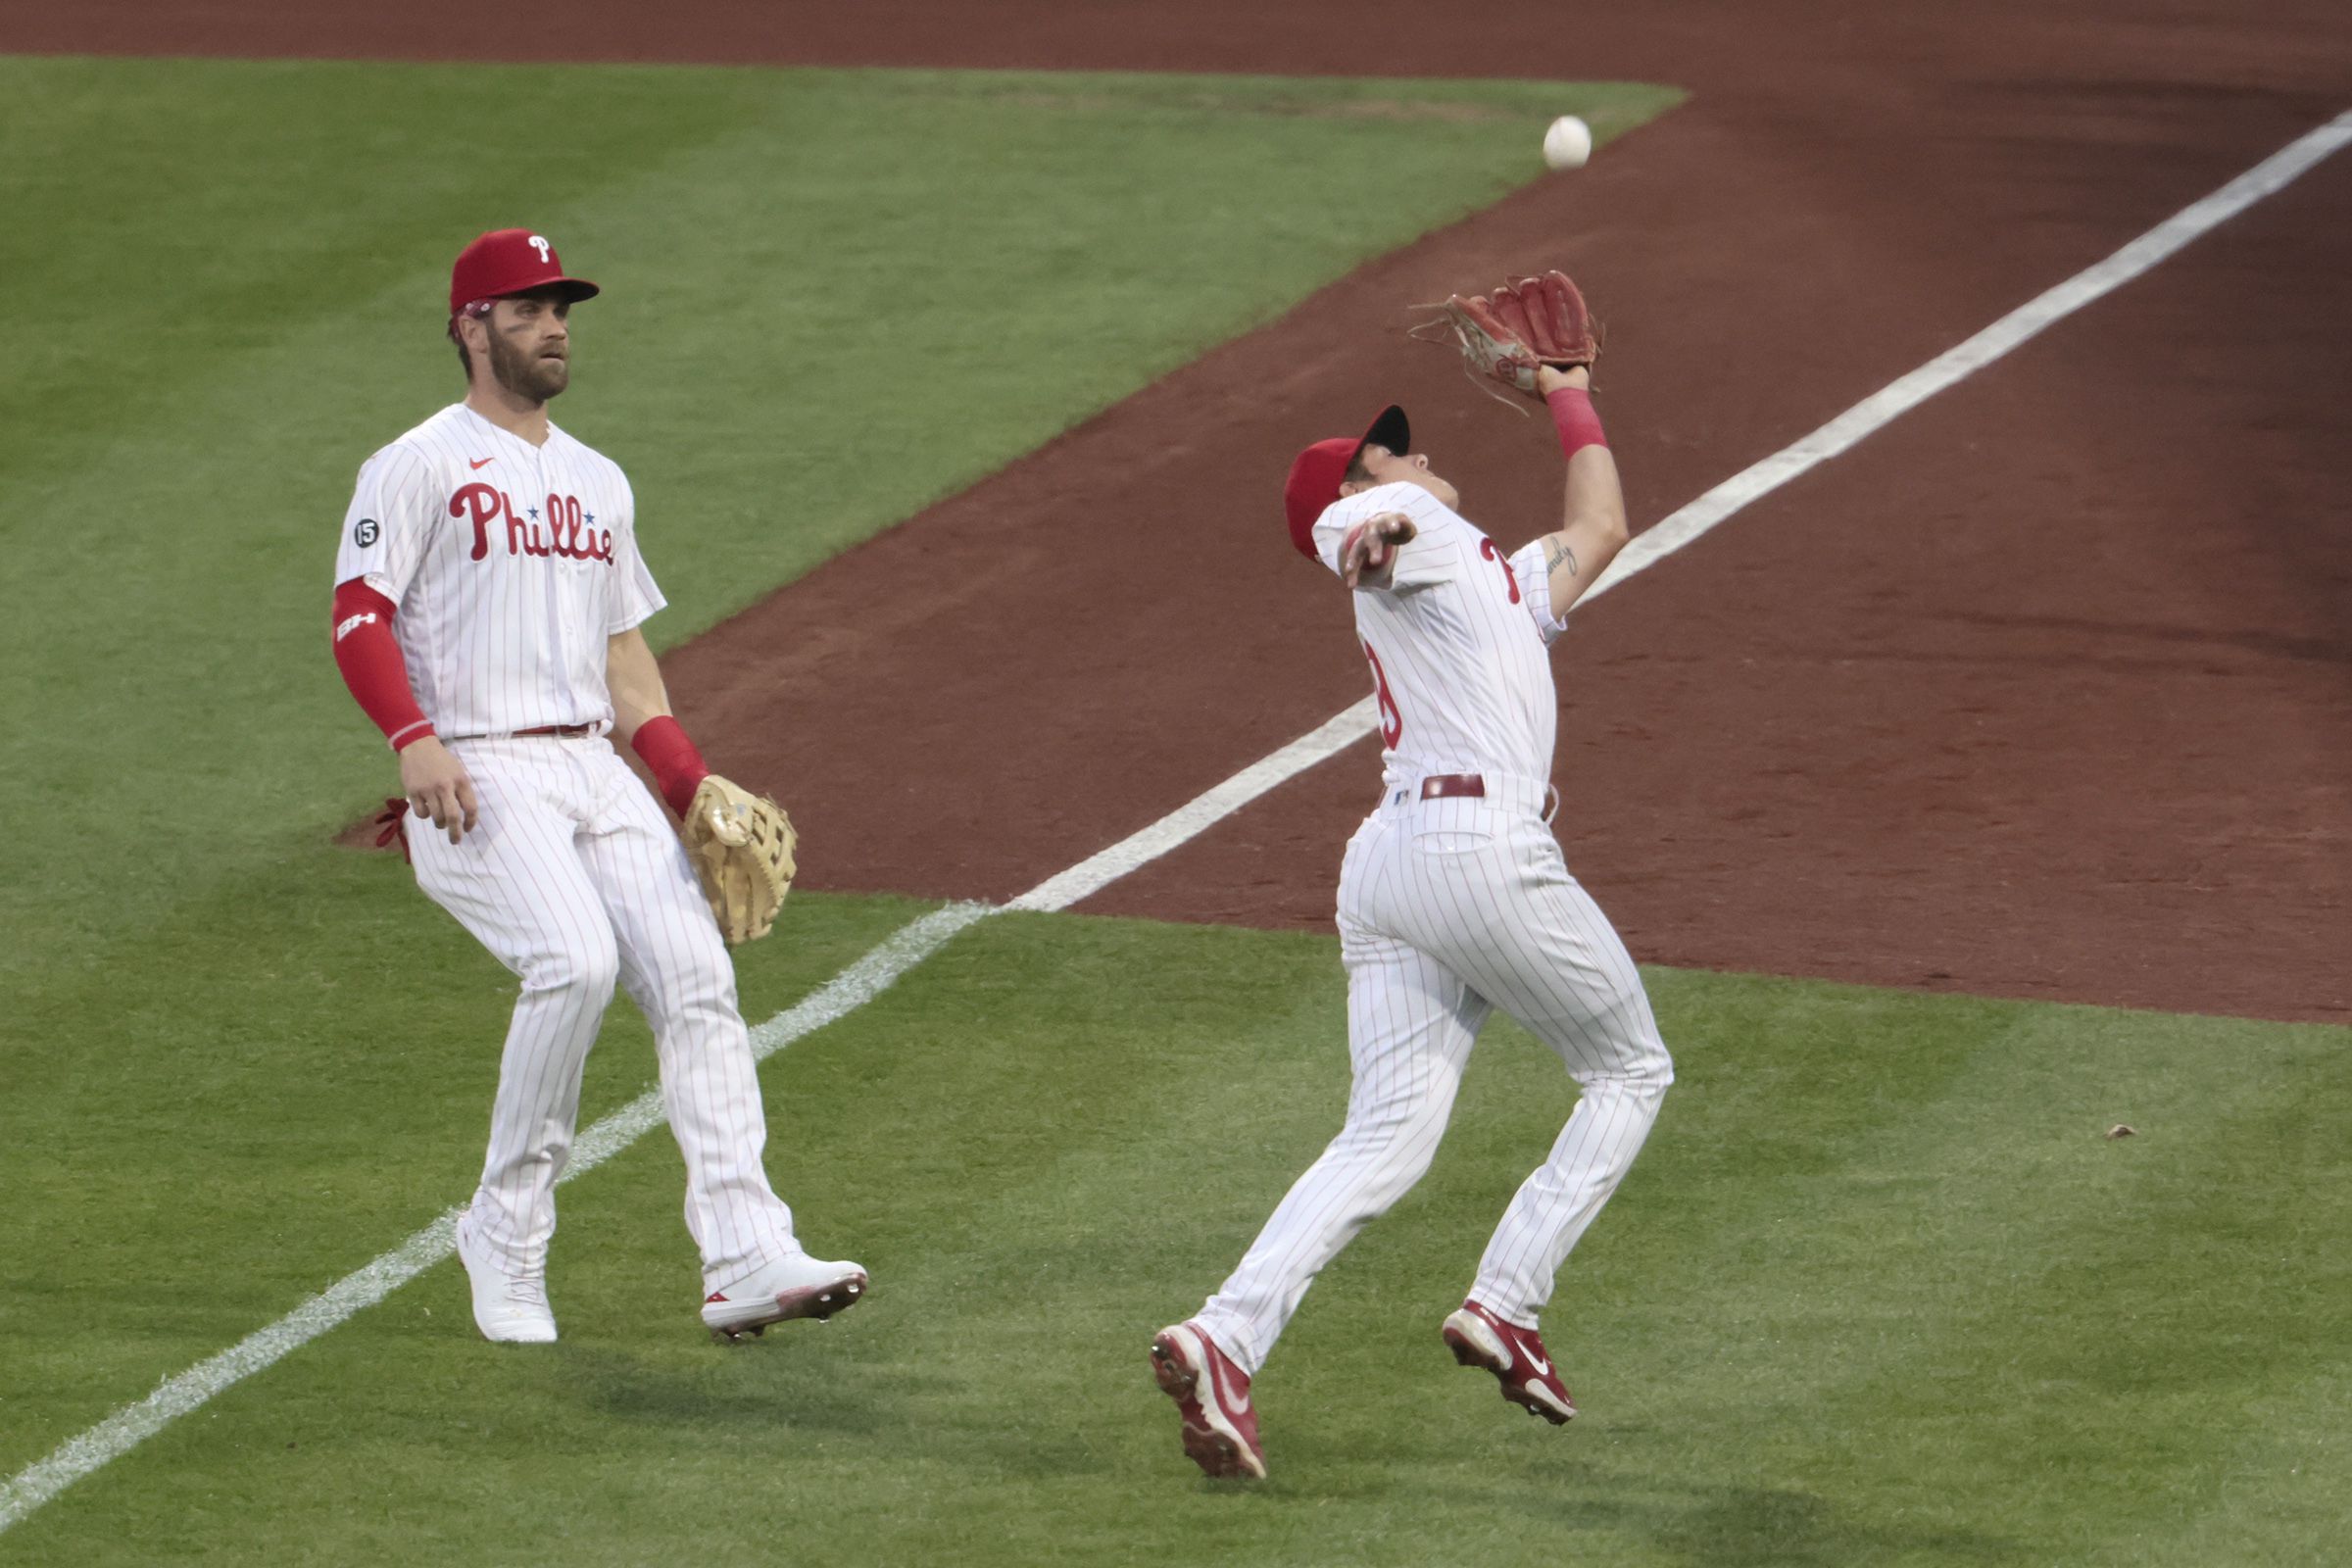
[[1371, 548], [438, 786]]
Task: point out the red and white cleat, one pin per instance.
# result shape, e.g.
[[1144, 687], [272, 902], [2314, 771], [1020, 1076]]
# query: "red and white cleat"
[[1515, 1355], [779, 1289], [1212, 1395]]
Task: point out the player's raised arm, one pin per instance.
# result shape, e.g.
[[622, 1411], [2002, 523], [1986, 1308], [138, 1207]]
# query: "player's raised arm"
[[1534, 337], [1592, 527]]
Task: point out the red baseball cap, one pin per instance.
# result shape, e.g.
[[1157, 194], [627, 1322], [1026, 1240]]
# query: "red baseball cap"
[[510, 261], [1315, 477]]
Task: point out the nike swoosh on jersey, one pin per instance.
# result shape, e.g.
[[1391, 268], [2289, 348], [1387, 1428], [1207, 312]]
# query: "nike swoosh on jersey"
[[478, 466]]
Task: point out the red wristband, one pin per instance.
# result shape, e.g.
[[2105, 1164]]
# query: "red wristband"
[[678, 768], [1579, 425]]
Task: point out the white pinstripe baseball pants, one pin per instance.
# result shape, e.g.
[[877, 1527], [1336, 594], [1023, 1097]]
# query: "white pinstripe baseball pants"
[[574, 879], [1450, 909]]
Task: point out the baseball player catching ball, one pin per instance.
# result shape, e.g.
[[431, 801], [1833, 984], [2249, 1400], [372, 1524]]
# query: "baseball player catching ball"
[[488, 599], [1453, 898]]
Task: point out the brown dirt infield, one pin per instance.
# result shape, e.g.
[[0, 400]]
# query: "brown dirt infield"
[[2040, 692]]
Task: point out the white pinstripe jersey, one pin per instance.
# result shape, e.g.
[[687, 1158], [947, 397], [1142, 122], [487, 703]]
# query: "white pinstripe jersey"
[[510, 565], [1457, 643]]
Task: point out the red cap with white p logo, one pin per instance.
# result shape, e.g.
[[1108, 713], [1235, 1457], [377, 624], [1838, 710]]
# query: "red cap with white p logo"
[[510, 261]]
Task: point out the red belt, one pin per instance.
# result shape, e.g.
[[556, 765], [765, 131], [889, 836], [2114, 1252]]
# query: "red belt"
[[1438, 786], [590, 729]]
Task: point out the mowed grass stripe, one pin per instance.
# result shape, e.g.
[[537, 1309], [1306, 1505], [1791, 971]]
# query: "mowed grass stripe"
[[1878, 1291]]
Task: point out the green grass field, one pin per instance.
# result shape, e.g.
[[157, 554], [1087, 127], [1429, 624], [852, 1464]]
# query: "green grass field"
[[1878, 1292]]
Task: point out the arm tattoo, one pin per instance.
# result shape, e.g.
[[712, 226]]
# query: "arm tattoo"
[[1555, 551]]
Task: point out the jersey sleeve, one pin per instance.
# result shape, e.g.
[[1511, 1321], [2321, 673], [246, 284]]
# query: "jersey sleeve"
[[1332, 528], [1331, 533], [1533, 577], [636, 597], [394, 515]]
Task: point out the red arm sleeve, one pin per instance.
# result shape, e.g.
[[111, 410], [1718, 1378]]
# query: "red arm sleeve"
[[368, 656]]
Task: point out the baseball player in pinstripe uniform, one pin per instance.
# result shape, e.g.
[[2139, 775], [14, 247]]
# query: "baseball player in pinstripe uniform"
[[1454, 901], [489, 593]]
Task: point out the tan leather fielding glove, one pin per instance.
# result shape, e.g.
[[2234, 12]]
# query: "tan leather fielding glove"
[[742, 848]]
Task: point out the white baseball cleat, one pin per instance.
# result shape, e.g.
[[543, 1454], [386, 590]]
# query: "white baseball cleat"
[[781, 1289], [508, 1308]]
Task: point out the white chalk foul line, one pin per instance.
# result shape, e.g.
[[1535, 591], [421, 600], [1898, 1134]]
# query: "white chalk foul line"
[[910, 945], [1099, 872]]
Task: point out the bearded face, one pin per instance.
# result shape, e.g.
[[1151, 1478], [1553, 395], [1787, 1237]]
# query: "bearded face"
[[530, 364], [529, 345]]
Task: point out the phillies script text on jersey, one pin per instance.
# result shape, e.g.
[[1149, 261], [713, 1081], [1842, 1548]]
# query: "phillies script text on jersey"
[[509, 564], [569, 531]]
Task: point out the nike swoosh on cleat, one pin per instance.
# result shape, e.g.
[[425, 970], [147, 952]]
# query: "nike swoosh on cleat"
[[1240, 1405], [1214, 1373], [1541, 1366]]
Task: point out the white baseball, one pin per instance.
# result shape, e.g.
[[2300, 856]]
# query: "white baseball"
[[1568, 143]]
